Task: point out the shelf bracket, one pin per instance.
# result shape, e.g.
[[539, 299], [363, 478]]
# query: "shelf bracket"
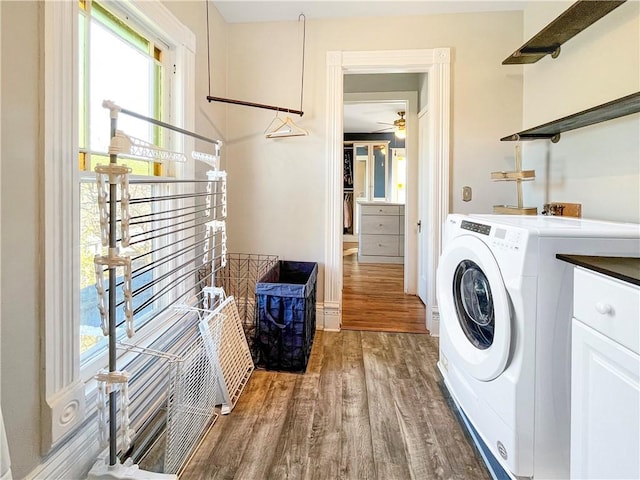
[[553, 50]]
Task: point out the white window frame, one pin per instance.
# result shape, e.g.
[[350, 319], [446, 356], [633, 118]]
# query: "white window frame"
[[99, 359], [64, 407]]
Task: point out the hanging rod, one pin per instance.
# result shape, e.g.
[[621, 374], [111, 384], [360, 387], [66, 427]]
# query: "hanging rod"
[[115, 108], [252, 104], [255, 105]]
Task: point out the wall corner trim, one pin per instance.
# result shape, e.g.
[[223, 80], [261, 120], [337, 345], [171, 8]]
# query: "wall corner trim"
[[62, 408]]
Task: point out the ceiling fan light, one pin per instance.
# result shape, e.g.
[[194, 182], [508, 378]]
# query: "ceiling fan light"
[[401, 133]]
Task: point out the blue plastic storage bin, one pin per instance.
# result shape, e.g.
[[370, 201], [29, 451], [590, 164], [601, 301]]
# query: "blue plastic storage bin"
[[286, 320]]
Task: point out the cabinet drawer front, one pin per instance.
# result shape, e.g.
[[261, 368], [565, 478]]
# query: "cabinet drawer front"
[[381, 209], [386, 225], [387, 245], [610, 306]]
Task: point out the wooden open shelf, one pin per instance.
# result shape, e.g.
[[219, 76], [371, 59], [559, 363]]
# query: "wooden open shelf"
[[572, 21], [607, 111]]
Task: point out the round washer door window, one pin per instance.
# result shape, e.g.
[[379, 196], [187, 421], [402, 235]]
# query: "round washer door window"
[[474, 307], [474, 304]]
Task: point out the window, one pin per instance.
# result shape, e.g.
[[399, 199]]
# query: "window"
[[153, 36], [116, 62]]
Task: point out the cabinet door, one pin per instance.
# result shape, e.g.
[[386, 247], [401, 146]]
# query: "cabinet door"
[[371, 165], [605, 407], [378, 171], [361, 171]]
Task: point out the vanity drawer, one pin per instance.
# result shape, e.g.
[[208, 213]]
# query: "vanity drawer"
[[380, 224], [381, 209], [610, 306], [382, 245]]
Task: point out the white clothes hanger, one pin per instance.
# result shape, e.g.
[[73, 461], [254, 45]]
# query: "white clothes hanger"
[[279, 128]]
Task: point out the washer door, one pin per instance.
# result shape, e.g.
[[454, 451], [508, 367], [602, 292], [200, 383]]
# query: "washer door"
[[474, 306]]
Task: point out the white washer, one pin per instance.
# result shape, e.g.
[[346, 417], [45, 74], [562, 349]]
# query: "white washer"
[[505, 305]]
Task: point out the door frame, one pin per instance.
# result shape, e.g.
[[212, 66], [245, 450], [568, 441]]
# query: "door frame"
[[434, 62]]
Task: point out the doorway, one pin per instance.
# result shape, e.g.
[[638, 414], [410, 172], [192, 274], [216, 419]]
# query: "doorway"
[[378, 281], [373, 298], [435, 63]]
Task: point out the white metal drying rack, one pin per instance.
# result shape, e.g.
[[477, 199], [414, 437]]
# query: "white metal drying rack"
[[118, 177]]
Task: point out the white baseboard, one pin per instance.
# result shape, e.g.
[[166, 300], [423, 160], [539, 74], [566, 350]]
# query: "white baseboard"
[[433, 321]]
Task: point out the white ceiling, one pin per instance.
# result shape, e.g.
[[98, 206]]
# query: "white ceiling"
[[239, 11], [370, 117]]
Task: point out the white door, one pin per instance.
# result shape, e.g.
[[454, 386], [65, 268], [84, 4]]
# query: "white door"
[[423, 181]]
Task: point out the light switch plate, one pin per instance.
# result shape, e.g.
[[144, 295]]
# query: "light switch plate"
[[466, 194]]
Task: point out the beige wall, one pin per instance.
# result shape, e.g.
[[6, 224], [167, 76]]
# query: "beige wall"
[[599, 165], [277, 188], [21, 232]]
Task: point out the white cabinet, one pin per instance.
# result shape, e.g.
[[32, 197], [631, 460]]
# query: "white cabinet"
[[605, 378], [381, 238]]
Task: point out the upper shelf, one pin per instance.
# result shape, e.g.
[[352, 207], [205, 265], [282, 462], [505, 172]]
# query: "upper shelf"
[[607, 111], [571, 22]]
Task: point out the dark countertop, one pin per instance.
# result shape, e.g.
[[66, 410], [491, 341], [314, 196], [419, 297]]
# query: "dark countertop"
[[623, 268]]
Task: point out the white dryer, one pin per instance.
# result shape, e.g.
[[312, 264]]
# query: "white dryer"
[[505, 305]]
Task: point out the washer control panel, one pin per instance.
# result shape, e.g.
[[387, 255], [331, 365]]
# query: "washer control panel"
[[475, 227], [500, 238], [507, 239]]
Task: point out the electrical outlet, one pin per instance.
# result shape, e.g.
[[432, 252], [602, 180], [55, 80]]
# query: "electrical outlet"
[[466, 194]]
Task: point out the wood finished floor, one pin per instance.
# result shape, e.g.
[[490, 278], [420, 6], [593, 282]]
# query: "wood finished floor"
[[369, 407], [373, 297]]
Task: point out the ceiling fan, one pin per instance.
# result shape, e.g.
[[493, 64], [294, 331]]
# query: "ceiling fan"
[[398, 126]]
